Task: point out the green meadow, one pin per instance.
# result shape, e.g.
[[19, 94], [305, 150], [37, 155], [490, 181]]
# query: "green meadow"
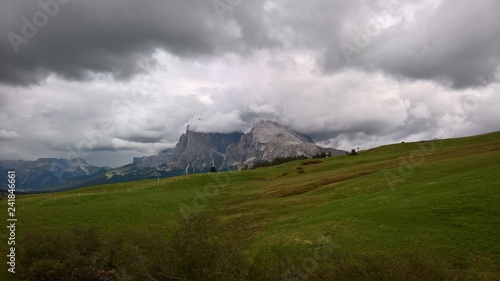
[[411, 211]]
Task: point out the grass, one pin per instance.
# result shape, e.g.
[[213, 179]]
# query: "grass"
[[444, 205]]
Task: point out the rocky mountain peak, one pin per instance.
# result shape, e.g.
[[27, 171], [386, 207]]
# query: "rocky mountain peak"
[[269, 131], [268, 140], [197, 151]]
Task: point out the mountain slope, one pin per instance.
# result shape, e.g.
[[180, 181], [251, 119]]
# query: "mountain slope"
[[444, 204], [268, 140], [162, 158], [47, 173]]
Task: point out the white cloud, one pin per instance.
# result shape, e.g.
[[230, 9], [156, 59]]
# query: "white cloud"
[[8, 135], [420, 111], [418, 78]]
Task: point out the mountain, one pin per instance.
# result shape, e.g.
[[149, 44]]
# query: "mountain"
[[197, 151], [132, 172], [51, 174], [162, 158], [268, 140], [48, 173]]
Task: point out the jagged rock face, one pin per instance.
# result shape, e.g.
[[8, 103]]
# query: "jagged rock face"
[[268, 140], [197, 151], [163, 158]]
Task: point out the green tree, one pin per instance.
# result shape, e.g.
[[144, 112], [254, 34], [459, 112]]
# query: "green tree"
[[213, 170]]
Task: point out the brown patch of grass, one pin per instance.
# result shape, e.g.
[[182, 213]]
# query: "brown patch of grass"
[[311, 162], [300, 189]]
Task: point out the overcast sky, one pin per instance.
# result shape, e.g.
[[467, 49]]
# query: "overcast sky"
[[107, 80]]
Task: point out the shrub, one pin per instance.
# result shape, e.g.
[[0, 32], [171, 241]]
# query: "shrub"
[[69, 255], [291, 263], [311, 162], [202, 249], [279, 160]]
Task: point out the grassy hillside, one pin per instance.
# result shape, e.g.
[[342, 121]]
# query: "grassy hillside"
[[436, 198]]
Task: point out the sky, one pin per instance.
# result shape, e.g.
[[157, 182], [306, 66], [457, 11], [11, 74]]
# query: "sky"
[[107, 80]]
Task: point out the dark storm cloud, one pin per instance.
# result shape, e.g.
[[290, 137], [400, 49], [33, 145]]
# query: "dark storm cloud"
[[455, 44], [143, 137], [117, 37], [108, 80]]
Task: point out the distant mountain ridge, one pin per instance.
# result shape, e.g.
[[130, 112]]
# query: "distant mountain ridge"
[[46, 172], [195, 152]]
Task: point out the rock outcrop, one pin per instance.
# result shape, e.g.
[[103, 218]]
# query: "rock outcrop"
[[268, 140], [197, 151]]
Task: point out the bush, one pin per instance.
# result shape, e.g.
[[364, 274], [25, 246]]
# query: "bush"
[[320, 155], [311, 162], [404, 265], [202, 249], [293, 263], [353, 152], [279, 161], [69, 255]]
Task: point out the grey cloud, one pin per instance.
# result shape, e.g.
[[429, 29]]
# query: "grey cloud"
[[8, 135], [113, 79], [252, 115], [118, 37], [143, 136], [456, 44]]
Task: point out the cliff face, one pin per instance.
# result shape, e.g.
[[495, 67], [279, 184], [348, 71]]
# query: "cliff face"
[[198, 151], [268, 140]]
